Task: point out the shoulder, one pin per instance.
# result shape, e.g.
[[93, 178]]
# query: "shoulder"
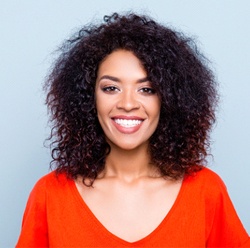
[[223, 226], [50, 189], [206, 175], [206, 181], [52, 178], [50, 182]]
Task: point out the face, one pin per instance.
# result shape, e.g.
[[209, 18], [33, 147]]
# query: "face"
[[128, 107]]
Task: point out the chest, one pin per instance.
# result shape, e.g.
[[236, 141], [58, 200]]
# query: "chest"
[[126, 218], [131, 221], [131, 213]]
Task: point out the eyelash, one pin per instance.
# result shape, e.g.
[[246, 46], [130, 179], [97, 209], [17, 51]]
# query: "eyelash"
[[110, 89], [144, 90], [148, 90]]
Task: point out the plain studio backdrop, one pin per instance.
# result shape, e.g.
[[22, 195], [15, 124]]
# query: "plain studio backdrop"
[[32, 30]]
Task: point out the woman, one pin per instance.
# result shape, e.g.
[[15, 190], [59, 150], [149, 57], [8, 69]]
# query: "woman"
[[132, 103]]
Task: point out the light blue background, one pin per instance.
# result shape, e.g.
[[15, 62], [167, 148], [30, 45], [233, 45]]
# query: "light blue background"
[[32, 30]]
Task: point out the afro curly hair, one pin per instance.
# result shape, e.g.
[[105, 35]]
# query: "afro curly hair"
[[176, 69]]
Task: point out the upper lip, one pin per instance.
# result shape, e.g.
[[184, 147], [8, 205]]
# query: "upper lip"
[[125, 117]]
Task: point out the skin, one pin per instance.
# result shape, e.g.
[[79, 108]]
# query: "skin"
[[130, 198], [123, 91]]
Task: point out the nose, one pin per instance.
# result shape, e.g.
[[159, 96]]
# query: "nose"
[[128, 101]]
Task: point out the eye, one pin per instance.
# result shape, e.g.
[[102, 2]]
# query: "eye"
[[148, 90], [109, 89]]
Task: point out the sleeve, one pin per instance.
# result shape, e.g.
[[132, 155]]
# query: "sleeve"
[[227, 229], [34, 231], [246, 244]]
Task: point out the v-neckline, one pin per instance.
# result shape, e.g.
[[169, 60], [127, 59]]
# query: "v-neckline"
[[109, 234]]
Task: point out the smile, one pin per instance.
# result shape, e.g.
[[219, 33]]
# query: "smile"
[[127, 123]]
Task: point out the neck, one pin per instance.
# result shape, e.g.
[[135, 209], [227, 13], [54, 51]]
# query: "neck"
[[128, 165]]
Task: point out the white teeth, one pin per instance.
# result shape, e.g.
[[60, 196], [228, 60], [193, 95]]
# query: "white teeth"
[[128, 123]]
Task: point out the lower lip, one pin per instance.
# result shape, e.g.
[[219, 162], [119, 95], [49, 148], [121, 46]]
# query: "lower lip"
[[127, 130]]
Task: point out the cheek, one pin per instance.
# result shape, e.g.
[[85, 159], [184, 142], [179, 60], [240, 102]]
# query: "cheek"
[[98, 104], [102, 112], [98, 108], [157, 114], [155, 107]]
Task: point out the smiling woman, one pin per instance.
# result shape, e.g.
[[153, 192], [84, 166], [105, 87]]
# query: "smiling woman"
[[132, 104], [126, 103]]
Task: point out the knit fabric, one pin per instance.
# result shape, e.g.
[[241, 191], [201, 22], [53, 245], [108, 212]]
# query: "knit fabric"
[[202, 216]]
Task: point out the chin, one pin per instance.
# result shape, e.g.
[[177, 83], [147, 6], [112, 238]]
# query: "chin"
[[129, 146]]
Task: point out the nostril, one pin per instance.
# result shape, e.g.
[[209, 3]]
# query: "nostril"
[[128, 104]]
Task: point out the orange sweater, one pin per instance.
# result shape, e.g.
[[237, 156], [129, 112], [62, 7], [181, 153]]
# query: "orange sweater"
[[202, 216]]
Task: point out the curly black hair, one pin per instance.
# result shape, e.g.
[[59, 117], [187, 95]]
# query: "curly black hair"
[[176, 69]]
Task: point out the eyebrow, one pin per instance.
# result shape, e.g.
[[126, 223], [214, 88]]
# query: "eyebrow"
[[115, 79]]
